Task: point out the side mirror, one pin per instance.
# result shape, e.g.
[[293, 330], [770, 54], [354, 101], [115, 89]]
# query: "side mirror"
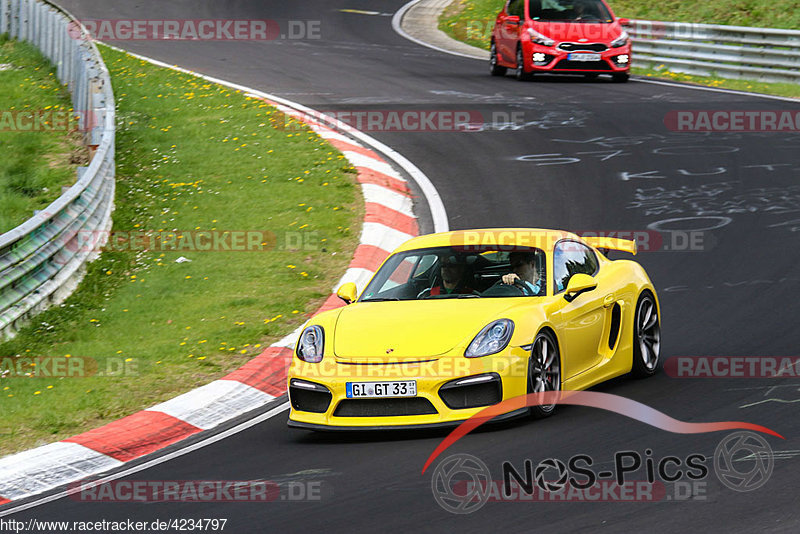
[[624, 22], [348, 292], [579, 284], [512, 19]]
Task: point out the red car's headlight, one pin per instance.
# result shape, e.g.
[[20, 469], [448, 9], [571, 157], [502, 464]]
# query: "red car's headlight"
[[538, 38], [620, 41]]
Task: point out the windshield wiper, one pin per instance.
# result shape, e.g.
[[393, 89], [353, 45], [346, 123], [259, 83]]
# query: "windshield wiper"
[[380, 299]]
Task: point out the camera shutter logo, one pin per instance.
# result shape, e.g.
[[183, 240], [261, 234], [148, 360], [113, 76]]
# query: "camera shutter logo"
[[551, 485], [743, 450], [477, 488]]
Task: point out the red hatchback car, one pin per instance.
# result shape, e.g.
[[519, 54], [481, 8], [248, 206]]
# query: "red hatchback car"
[[560, 36]]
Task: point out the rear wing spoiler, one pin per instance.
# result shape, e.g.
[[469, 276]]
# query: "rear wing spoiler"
[[612, 243]]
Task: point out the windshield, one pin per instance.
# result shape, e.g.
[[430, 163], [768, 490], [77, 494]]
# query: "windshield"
[[452, 272], [570, 11]]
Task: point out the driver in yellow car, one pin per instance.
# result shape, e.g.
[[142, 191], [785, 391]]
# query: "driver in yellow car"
[[454, 280]]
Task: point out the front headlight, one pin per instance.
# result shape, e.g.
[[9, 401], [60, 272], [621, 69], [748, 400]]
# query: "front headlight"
[[620, 41], [492, 339], [311, 344], [538, 38]]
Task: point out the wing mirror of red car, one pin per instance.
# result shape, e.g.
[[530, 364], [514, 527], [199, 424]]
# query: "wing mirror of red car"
[[512, 19], [624, 22], [348, 292], [579, 283]]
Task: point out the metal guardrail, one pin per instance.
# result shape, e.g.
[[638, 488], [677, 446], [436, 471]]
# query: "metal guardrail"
[[41, 261], [762, 54]]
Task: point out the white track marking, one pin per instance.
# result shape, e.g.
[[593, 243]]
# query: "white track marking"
[[398, 17], [41, 469], [10, 509], [360, 160], [382, 236], [208, 406], [765, 401], [377, 194]]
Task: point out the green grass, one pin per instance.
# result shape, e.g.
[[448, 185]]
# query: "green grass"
[[778, 89], [34, 164], [756, 13], [191, 155], [471, 21]]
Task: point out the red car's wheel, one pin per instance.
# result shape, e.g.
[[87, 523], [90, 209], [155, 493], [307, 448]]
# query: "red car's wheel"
[[521, 74], [494, 68]]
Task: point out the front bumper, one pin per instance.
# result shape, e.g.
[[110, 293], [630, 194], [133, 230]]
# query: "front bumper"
[[552, 59], [441, 398]]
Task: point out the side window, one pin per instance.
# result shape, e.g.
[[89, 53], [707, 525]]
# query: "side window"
[[401, 273], [516, 8], [569, 258]]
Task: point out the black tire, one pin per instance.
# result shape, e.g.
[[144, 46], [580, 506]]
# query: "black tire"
[[544, 370], [494, 68], [646, 337], [520, 73], [621, 77]]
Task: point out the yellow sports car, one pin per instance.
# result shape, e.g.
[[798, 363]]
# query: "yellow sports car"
[[454, 322]]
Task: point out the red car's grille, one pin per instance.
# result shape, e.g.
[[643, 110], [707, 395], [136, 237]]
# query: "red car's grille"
[[573, 47]]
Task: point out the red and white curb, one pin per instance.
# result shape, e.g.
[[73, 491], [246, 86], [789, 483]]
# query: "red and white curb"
[[389, 221]]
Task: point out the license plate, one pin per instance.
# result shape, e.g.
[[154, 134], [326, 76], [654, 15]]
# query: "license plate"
[[367, 390], [584, 57]]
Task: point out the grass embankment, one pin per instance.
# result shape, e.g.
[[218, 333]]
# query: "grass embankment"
[[471, 21], [191, 157], [35, 161]]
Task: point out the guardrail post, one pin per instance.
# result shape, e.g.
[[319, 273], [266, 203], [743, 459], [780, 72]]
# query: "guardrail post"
[[3, 16]]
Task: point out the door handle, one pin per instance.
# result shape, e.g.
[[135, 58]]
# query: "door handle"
[[608, 301]]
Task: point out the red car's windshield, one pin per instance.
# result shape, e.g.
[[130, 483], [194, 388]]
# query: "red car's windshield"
[[594, 11]]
